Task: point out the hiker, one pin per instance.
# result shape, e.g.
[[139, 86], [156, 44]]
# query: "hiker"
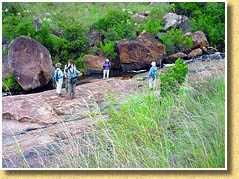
[[58, 76], [106, 67], [71, 75], [152, 75]]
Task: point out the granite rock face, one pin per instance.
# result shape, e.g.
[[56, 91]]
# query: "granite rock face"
[[30, 63]]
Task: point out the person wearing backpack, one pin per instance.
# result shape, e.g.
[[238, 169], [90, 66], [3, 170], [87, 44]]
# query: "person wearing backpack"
[[106, 67], [152, 75], [71, 75], [58, 76]]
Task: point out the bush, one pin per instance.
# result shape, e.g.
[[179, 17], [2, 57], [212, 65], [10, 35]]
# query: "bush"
[[109, 49], [10, 84], [174, 41], [171, 79], [208, 17], [151, 27], [112, 18], [120, 31]]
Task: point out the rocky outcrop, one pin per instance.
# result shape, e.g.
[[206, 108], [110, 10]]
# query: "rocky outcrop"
[[30, 63], [53, 125], [194, 53], [172, 58], [176, 21], [199, 39], [138, 54], [94, 63]]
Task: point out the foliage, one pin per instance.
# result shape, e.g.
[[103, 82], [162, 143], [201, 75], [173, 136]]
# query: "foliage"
[[206, 16], [157, 13], [110, 19], [149, 131], [10, 83], [151, 27], [171, 79], [174, 41], [120, 31], [109, 49], [72, 45], [80, 62]]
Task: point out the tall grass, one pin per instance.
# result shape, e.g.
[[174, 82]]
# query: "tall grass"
[[149, 131]]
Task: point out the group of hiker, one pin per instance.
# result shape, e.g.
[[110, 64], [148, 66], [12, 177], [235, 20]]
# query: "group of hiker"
[[71, 74]]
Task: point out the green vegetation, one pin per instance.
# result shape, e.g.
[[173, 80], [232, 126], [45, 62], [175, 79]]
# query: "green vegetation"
[[144, 130], [108, 49], [172, 131], [172, 79], [10, 83], [207, 17], [175, 42]]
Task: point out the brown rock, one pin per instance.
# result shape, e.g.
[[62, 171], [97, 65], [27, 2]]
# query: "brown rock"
[[174, 57], [138, 54], [195, 53], [30, 63], [94, 62], [199, 39]]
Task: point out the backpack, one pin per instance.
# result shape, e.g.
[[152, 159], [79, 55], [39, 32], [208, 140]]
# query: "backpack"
[[153, 74], [56, 76], [73, 77]]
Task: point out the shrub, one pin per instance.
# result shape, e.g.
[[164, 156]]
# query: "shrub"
[[151, 27], [174, 41], [109, 49], [10, 84], [80, 63], [120, 31], [171, 79], [112, 18], [208, 17]]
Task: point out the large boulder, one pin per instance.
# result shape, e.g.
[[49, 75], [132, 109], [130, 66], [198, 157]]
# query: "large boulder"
[[176, 21], [199, 39], [94, 63], [30, 63], [139, 53], [172, 58]]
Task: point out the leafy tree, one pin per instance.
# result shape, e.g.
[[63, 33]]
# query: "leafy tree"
[[171, 79]]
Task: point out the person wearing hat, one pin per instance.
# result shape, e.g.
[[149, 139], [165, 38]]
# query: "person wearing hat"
[[58, 76], [71, 75], [106, 67], [152, 75]]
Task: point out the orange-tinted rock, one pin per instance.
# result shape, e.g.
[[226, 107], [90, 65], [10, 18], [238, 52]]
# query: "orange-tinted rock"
[[174, 57], [138, 54], [30, 63], [195, 53], [199, 39], [94, 62]]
